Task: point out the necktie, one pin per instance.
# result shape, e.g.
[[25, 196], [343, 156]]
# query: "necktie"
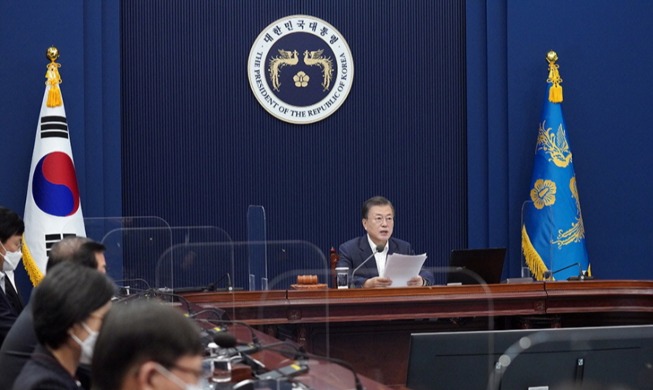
[[12, 296]]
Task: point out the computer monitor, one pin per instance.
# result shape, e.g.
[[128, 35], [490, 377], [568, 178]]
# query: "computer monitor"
[[476, 266], [619, 357]]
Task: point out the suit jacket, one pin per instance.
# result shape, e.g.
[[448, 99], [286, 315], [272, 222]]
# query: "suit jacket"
[[17, 347], [353, 252], [43, 371], [8, 315]]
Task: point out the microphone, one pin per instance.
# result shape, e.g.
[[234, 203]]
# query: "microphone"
[[229, 348], [208, 336], [581, 274], [159, 293], [379, 248], [227, 341], [284, 372], [287, 371], [302, 355], [214, 286], [123, 290], [221, 322]]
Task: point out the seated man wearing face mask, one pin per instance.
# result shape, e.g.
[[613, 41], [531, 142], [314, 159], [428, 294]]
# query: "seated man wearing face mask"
[[11, 231], [21, 339], [68, 307]]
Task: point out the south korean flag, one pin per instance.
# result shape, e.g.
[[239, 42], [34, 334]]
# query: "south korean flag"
[[53, 208]]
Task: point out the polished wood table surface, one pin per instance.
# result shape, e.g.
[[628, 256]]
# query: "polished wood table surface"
[[370, 328], [321, 374]]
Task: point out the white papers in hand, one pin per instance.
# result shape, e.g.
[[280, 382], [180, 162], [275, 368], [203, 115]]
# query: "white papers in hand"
[[401, 268]]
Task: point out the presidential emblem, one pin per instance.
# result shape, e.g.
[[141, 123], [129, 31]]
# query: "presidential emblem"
[[300, 69]]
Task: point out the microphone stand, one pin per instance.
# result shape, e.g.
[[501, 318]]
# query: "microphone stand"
[[379, 248], [581, 274]]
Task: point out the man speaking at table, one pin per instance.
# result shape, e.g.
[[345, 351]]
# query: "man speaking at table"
[[366, 255]]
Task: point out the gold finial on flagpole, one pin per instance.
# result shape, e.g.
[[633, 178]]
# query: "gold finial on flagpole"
[[53, 78], [555, 92], [52, 53]]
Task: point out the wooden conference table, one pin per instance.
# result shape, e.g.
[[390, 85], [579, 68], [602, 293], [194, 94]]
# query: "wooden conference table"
[[370, 328]]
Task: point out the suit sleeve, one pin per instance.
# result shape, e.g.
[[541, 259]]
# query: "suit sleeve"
[[344, 257], [7, 316]]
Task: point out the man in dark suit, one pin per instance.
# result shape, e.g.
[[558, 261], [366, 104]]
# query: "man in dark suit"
[[11, 231], [21, 339], [68, 308], [378, 221]]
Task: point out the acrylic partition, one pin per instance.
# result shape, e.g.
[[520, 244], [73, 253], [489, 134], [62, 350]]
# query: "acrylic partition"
[[440, 275], [225, 266], [559, 267], [139, 254], [133, 245], [149, 259], [228, 288]]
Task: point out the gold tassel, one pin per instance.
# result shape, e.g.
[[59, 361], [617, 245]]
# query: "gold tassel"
[[54, 96], [54, 79], [35, 275], [555, 92], [533, 259]]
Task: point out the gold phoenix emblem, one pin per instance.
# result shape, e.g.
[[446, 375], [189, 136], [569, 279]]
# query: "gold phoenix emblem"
[[276, 63], [577, 231], [554, 145], [315, 58], [311, 58]]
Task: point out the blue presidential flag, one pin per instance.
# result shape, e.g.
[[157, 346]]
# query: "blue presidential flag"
[[553, 235]]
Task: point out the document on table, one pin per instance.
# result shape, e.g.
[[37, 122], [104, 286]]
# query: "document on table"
[[400, 268]]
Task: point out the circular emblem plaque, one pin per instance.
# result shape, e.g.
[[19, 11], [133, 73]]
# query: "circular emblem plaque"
[[300, 69]]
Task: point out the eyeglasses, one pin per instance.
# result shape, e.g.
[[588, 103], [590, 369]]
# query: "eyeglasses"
[[379, 219], [175, 379], [203, 373]]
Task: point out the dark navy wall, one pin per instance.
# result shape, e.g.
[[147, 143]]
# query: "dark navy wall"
[[605, 60], [87, 36], [195, 136]]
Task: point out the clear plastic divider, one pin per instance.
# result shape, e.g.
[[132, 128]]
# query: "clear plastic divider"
[[133, 245]]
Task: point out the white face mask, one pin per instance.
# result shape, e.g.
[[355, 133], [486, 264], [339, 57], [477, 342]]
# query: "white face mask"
[[11, 259], [87, 345], [174, 378]]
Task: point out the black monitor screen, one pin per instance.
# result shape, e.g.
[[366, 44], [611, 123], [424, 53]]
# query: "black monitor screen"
[[570, 358]]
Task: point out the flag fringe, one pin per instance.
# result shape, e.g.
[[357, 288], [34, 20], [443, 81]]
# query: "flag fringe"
[[35, 275], [533, 259]]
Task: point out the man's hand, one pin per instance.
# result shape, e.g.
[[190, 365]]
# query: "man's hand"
[[416, 281], [377, 282]]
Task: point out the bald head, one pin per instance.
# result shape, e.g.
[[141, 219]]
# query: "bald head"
[[79, 250]]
